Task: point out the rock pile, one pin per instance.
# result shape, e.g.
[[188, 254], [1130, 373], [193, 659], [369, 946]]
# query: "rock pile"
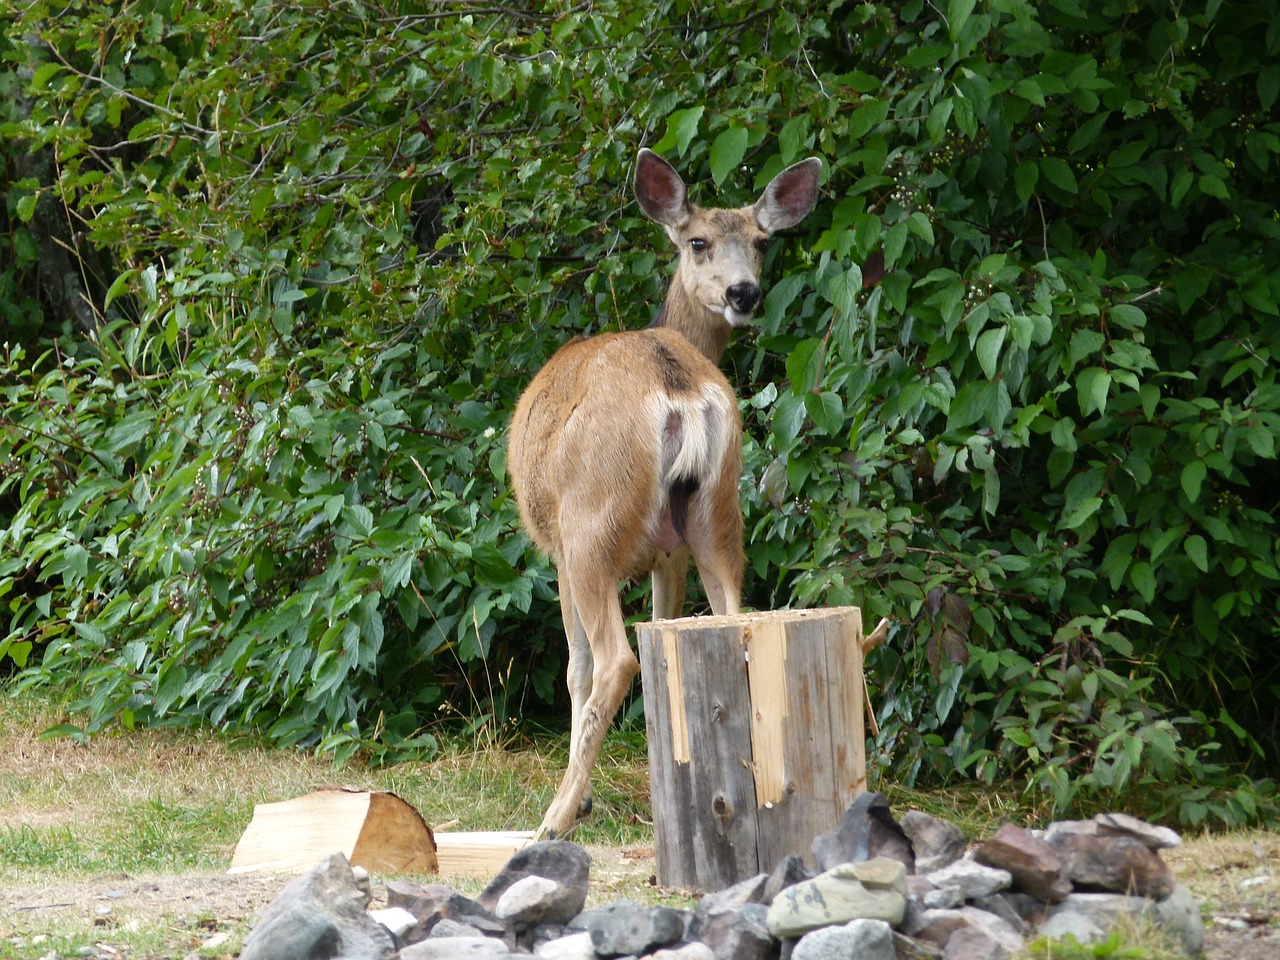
[[913, 890]]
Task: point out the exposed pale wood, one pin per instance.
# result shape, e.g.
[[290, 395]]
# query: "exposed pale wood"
[[375, 830], [756, 738], [479, 855]]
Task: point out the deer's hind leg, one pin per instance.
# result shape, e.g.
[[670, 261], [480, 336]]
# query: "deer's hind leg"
[[613, 666]]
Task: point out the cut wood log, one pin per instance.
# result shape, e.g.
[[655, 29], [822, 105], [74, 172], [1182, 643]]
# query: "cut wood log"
[[374, 830], [756, 737], [479, 855]]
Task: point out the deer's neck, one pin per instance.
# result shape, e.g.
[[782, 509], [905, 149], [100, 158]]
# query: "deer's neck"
[[708, 331]]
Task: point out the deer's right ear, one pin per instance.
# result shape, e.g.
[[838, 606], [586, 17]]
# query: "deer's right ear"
[[660, 191]]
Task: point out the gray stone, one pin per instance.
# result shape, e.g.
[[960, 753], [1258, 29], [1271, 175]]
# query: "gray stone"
[[456, 948], [874, 890], [863, 939], [1068, 922], [786, 873], [627, 927], [1104, 908], [1111, 862], [433, 902], [906, 948], [938, 927], [867, 831], [1035, 867], [936, 843], [300, 931], [730, 898], [1152, 836], [971, 879], [396, 919], [454, 928], [739, 934], [943, 898], [533, 900], [1002, 905], [559, 860], [320, 915], [688, 951], [575, 946], [975, 943], [1180, 914]]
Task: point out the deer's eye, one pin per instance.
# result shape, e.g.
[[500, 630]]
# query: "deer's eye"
[[698, 245], [762, 244]]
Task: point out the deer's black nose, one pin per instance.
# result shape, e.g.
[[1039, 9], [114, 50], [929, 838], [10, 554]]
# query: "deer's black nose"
[[743, 297]]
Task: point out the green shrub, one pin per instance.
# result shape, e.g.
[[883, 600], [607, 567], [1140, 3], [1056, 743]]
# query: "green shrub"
[[1014, 383]]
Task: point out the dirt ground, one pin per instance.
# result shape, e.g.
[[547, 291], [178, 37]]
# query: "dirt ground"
[[1237, 878]]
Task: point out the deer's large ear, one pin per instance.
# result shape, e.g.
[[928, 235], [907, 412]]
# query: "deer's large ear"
[[660, 190], [789, 196]]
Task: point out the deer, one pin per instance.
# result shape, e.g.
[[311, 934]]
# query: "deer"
[[625, 451]]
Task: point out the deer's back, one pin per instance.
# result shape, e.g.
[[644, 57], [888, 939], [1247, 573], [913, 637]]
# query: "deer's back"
[[587, 436]]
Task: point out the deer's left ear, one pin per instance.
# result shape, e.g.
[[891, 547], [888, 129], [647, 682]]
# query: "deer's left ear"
[[789, 196], [660, 191]]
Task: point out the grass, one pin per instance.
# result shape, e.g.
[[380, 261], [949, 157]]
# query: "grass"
[[113, 814]]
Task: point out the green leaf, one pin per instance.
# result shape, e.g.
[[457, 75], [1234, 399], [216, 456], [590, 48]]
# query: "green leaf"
[[27, 206], [958, 13], [1143, 579], [1057, 172], [936, 122], [1025, 178], [727, 152], [919, 224], [988, 350], [1093, 386], [1193, 475], [1262, 441], [682, 127], [827, 411], [1198, 551]]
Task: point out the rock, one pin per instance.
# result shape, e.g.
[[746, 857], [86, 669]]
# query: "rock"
[[1071, 923], [1152, 836], [451, 929], [396, 919], [1180, 914], [1103, 908], [533, 900], [689, 951], [938, 927], [739, 934], [864, 939], [873, 890], [867, 831], [456, 948], [1035, 867], [787, 873], [627, 927], [907, 949], [320, 915], [975, 943], [936, 843], [943, 898], [730, 898], [972, 879], [560, 860], [575, 946], [1112, 862], [433, 902], [1002, 906]]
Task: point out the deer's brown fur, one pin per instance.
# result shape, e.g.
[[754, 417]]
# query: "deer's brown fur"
[[626, 448]]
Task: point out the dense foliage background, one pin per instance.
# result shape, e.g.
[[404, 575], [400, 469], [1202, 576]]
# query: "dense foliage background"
[[273, 274]]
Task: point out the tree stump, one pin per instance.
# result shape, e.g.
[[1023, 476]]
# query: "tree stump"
[[755, 737]]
